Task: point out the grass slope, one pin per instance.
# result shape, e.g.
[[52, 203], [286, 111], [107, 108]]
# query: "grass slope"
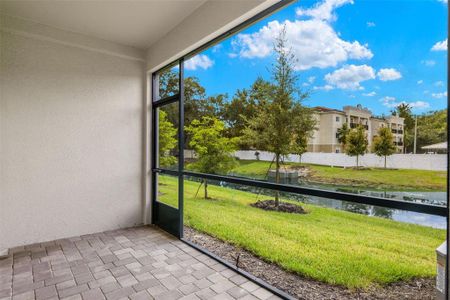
[[329, 245], [400, 179]]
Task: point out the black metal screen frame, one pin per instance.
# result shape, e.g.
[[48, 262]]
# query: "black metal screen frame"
[[436, 210]]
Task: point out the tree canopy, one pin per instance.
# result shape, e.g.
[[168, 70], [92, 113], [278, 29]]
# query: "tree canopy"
[[167, 141], [356, 143], [281, 124], [214, 150], [383, 143]]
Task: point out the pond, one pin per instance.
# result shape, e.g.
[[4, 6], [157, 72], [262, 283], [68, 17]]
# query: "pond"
[[435, 198]]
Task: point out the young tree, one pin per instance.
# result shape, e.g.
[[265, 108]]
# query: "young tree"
[[342, 134], [282, 124], [356, 143], [403, 110], [167, 140], [214, 150], [383, 143]]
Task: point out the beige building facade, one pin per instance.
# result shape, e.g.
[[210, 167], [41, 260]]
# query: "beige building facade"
[[328, 122]]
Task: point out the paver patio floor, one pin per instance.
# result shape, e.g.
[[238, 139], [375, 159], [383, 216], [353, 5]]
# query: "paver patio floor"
[[134, 263]]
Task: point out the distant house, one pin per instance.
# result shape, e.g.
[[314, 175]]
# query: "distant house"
[[329, 120]]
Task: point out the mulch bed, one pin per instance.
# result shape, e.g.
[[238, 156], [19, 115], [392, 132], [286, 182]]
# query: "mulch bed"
[[304, 288], [282, 206]]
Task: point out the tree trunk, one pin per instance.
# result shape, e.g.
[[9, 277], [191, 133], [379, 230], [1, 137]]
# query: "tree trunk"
[[206, 188], [357, 161], [385, 161], [277, 179]]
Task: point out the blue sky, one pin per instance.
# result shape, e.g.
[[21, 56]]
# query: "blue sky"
[[376, 53]]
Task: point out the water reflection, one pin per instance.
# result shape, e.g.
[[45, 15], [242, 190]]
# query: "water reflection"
[[435, 198]]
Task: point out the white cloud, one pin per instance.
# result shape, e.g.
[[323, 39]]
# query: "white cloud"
[[388, 74], [428, 63], [326, 87], [419, 81], [443, 1], [310, 81], [371, 24], [419, 104], [371, 94], [199, 61], [388, 101], [349, 77], [439, 95], [323, 10], [440, 46], [314, 41], [392, 102], [439, 83]]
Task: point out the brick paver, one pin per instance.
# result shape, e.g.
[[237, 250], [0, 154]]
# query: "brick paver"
[[134, 263]]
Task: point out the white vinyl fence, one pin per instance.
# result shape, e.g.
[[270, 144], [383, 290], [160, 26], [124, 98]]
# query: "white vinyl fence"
[[436, 162]]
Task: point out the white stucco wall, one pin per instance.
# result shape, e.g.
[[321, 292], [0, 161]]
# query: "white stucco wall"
[[71, 135]]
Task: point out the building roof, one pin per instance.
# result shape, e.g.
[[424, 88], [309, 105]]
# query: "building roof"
[[327, 109], [438, 146]]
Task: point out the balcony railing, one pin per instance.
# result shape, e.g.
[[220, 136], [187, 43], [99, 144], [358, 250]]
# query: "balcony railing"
[[354, 125]]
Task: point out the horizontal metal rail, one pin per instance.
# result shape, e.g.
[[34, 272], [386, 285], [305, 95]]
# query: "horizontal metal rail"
[[166, 100], [362, 199]]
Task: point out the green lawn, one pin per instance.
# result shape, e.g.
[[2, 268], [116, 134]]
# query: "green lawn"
[[329, 245], [400, 179]]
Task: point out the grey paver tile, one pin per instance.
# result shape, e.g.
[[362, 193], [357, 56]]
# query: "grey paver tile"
[[169, 295], [262, 294], [156, 290], [73, 290], [187, 289], [170, 282], [109, 287], [120, 293], [93, 294], [46, 292], [135, 263], [143, 285], [249, 286], [142, 295], [206, 294], [237, 292]]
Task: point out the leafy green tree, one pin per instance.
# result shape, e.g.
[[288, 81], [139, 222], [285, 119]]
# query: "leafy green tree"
[[403, 110], [243, 106], [383, 143], [282, 124], [167, 140], [214, 150], [432, 128], [196, 103], [356, 143], [342, 134]]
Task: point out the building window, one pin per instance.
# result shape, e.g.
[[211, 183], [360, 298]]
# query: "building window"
[[338, 119]]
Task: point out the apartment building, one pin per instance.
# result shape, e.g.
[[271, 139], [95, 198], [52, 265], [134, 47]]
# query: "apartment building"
[[329, 120]]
